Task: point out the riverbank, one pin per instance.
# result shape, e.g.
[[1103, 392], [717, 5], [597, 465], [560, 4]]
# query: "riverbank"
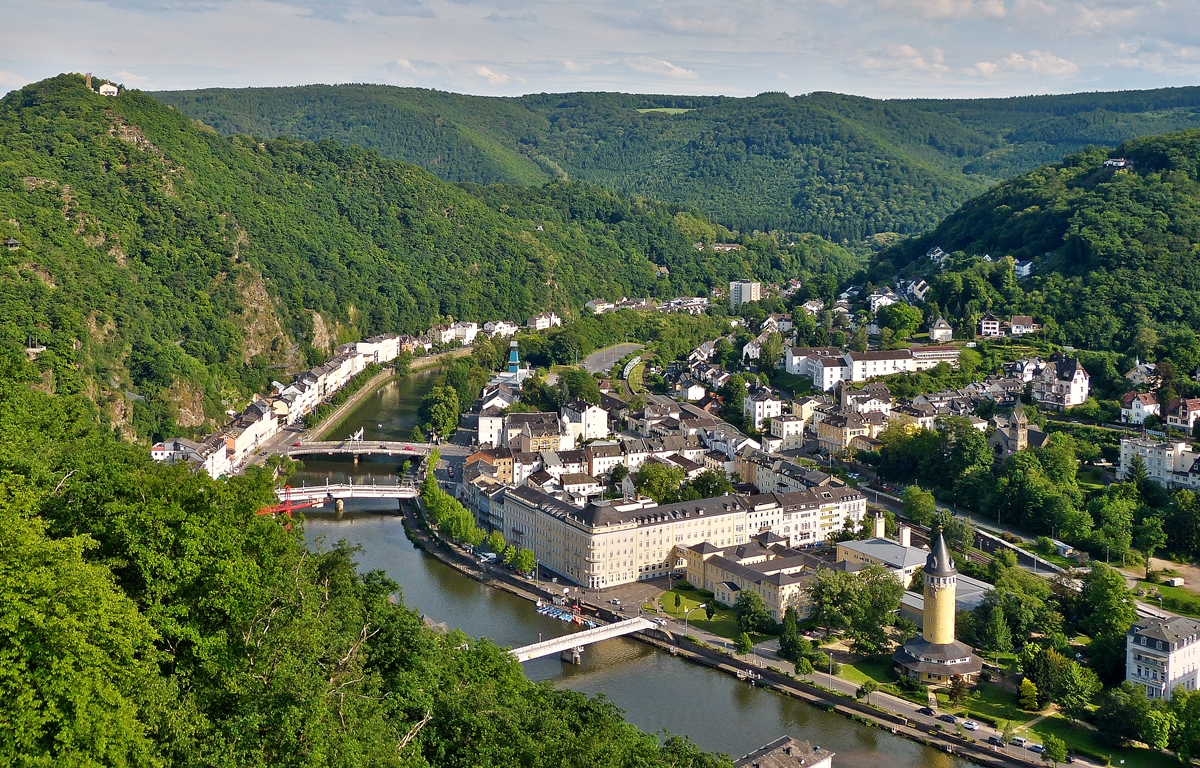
[[335, 419], [714, 658]]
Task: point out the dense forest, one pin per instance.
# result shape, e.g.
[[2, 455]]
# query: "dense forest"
[[1114, 249], [167, 272], [151, 618], [843, 167]]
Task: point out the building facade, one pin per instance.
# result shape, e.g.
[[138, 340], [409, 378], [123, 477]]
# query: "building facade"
[[744, 292], [1162, 655]]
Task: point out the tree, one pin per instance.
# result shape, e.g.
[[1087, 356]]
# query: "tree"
[[495, 542], [1029, 696], [958, 530], [771, 353], [866, 689], [1105, 607], [659, 481], [525, 561], [873, 601], [804, 666], [919, 504], [859, 341], [902, 319], [710, 609], [678, 600], [1055, 750], [616, 475], [710, 484], [1150, 537], [744, 644], [831, 593], [1185, 736], [995, 636], [789, 638], [578, 383], [958, 690], [1076, 687], [510, 554], [439, 410], [752, 615], [1137, 472]]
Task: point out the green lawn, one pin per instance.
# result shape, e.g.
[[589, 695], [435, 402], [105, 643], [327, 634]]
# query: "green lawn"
[[1177, 599], [990, 702], [1081, 739], [724, 621]]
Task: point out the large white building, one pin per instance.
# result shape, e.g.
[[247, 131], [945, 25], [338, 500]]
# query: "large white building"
[[744, 292], [826, 366], [760, 405], [1170, 463], [1062, 383], [1162, 655], [608, 543], [584, 420]]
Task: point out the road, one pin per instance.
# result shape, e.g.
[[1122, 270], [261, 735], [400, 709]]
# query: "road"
[[603, 359]]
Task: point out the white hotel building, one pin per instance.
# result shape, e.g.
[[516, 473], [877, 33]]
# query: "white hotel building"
[[609, 543], [1162, 655], [827, 366]]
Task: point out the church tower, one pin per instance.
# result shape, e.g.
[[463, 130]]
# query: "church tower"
[[941, 583]]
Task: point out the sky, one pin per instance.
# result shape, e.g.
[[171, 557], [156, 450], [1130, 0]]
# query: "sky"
[[878, 48]]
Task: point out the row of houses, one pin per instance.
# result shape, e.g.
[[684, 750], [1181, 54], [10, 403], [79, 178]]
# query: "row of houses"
[[227, 449], [692, 305]]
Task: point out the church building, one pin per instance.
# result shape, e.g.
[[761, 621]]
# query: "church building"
[[935, 656]]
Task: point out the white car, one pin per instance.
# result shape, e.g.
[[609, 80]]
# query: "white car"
[[970, 725]]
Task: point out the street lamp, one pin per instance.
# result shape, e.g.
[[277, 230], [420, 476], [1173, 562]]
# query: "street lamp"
[[688, 612]]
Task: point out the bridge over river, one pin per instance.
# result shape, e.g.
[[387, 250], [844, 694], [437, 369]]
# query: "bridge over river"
[[351, 490], [572, 645]]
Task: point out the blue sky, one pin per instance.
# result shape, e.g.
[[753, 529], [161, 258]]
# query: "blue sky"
[[881, 48]]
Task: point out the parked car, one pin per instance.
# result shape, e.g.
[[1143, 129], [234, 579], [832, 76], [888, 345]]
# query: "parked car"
[[1019, 741], [1037, 748], [948, 719], [926, 711], [970, 725], [615, 601], [999, 742]]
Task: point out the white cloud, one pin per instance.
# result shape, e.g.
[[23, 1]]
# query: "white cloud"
[[131, 80], [11, 80], [904, 58], [1159, 56], [652, 66], [1036, 62], [494, 78], [950, 9]]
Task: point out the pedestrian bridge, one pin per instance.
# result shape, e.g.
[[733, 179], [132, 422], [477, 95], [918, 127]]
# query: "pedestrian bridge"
[[575, 641], [348, 491]]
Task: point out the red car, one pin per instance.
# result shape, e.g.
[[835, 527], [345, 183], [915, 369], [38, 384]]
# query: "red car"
[[297, 445]]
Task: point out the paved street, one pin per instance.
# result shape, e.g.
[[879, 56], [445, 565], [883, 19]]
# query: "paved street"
[[601, 360]]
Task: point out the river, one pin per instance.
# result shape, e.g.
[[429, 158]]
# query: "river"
[[656, 690]]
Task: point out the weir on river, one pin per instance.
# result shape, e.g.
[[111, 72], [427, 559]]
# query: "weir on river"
[[656, 690]]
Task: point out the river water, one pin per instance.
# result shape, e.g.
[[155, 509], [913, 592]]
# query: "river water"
[[656, 690]]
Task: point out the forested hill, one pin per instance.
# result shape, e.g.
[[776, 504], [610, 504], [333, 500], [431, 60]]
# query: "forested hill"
[[839, 166], [1116, 250], [168, 271]]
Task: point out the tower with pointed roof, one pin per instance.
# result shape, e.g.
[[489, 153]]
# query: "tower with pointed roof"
[[941, 583], [935, 656]]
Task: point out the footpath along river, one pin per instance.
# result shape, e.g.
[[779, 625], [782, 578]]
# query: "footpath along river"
[[656, 690]]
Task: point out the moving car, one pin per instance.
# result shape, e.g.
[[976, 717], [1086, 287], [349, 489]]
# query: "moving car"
[[1019, 741], [1037, 748]]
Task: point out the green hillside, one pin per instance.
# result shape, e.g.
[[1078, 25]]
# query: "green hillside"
[[835, 165], [168, 271], [1116, 250]]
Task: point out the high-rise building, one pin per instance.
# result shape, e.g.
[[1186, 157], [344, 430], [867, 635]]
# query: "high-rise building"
[[935, 656], [743, 291]]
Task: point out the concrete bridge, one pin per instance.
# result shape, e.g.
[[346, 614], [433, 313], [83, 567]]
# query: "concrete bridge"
[[361, 448], [573, 643], [309, 493]]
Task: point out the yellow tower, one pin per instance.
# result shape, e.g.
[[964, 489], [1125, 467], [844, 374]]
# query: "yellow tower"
[[941, 583]]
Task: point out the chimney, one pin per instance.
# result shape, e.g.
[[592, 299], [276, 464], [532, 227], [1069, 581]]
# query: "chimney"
[[905, 536], [880, 526]]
